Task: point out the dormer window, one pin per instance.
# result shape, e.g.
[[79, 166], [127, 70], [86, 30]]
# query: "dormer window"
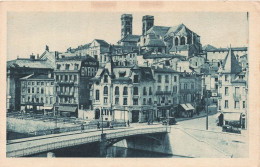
[[105, 79], [67, 66], [58, 66], [76, 67], [136, 79]]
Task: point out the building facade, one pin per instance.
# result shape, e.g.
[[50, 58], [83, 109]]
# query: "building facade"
[[232, 91], [124, 93], [72, 80], [167, 91], [38, 93]]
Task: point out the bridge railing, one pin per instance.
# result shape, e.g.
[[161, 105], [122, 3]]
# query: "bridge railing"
[[51, 146], [83, 140], [137, 132]]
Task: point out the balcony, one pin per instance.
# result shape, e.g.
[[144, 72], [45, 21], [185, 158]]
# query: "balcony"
[[237, 96], [163, 93], [64, 93], [65, 82]]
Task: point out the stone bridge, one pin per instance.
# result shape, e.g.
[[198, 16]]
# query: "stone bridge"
[[143, 138]]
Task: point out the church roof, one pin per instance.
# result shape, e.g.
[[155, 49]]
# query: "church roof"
[[208, 47], [158, 30], [102, 42], [230, 64], [154, 43], [130, 38]]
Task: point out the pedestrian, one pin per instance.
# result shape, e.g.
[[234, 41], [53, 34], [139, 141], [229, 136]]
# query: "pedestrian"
[[128, 123], [82, 127], [98, 125]]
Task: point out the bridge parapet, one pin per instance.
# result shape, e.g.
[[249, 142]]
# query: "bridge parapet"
[[39, 148]]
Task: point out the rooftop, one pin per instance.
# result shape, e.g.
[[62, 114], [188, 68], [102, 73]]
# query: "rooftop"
[[29, 63]]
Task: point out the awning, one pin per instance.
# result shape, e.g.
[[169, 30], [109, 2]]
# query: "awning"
[[67, 109], [232, 116], [47, 107], [190, 106], [185, 107]]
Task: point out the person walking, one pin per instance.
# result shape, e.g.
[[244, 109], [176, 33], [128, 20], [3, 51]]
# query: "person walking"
[[98, 125], [128, 123], [82, 127]]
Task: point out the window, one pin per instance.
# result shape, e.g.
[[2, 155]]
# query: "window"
[[150, 91], [46, 100], [70, 77], [37, 100], [150, 101], [175, 88], [42, 83], [159, 78], [32, 83], [75, 78], [58, 66], [182, 40], [237, 104], [117, 90], [38, 90], [105, 79], [57, 77], [105, 90], [32, 90], [159, 88], [226, 103], [51, 100], [76, 67], [105, 100], [237, 91], [144, 101], [192, 86], [136, 80], [144, 91], [125, 91], [29, 83], [42, 90], [97, 94], [135, 90], [226, 91], [166, 79], [244, 104], [52, 83], [175, 78], [38, 83], [66, 77], [116, 100], [160, 50], [61, 77], [185, 86], [125, 101], [135, 101], [67, 67], [41, 99], [29, 90], [29, 99], [166, 88], [226, 77]]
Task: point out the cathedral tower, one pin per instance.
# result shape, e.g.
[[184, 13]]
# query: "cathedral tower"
[[147, 23], [126, 25]]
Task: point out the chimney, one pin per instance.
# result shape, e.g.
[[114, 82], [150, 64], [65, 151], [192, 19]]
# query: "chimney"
[[32, 57], [47, 48], [56, 55]]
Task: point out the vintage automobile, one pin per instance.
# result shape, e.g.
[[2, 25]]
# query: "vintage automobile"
[[168, 121], [231, 129]]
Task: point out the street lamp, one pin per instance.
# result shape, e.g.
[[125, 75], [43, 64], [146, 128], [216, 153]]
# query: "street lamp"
[[102, 120]]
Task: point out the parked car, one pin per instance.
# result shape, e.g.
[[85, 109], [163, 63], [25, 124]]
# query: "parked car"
[[169, 121], [231, 129]]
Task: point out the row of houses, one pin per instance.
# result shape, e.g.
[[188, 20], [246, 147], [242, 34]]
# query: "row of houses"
[[163, 72]]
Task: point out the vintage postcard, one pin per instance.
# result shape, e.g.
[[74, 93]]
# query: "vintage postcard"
[[130, 83]]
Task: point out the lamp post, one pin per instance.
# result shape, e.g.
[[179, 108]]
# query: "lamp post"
[[102, 120]]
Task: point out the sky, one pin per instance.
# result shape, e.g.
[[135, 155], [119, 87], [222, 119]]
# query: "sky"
[[30, 32]]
